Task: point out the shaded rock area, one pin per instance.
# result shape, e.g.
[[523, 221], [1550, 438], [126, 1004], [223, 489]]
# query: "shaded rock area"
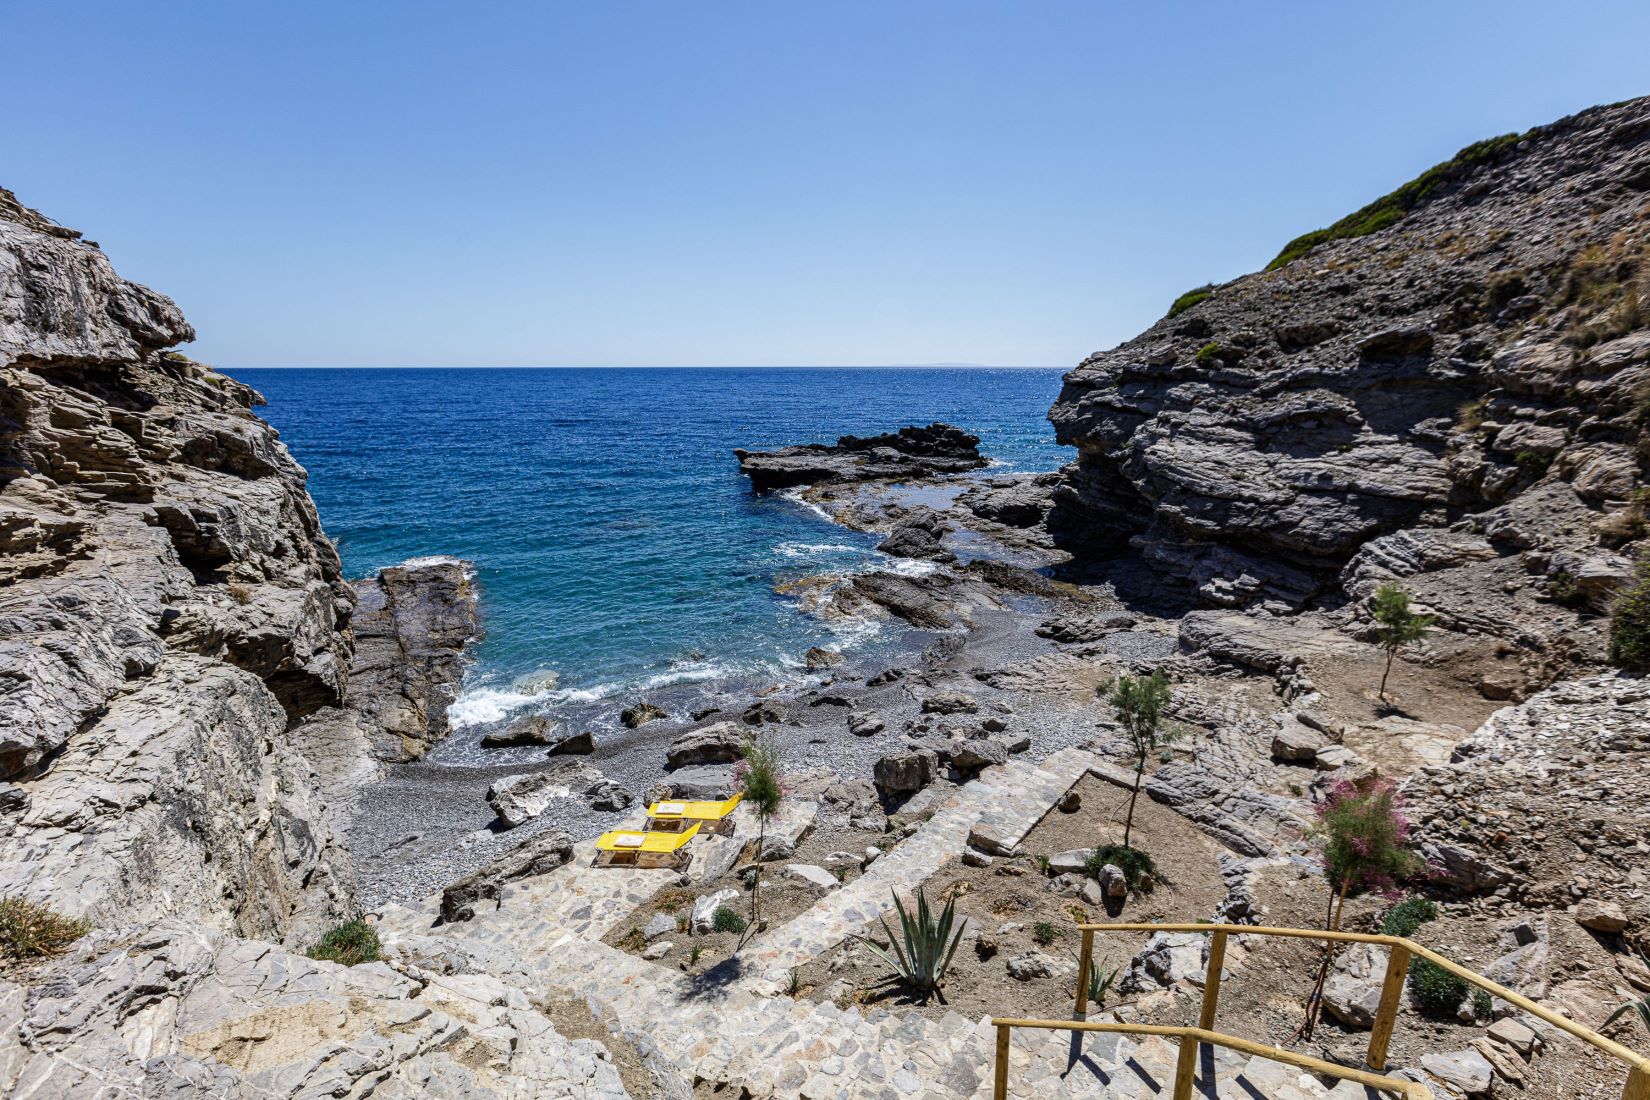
[[909, 452]]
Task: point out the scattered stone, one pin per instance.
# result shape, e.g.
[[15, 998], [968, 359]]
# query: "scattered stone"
[[864, 723], [817, 658], [1030, 965], [1352, 992], [872, 854], [1085, 626], [661, 924], [1070, 802], [904, 772], [1465, 1070], [1601, 916], [536, 730], [640, 714], [1167, 958], [919, 536], [1510, 1033], [1069, 862], [721, 742], [810, 875], [1112, 882], [517, 799], [703, 919], [1297, 743], [991, 839], [537, 855], [985, 946], [706, 782], [973, 857], [950, 702], [774, 848], [655, 951]]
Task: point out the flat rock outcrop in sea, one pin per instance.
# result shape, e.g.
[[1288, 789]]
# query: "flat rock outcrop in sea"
[[910, 452]]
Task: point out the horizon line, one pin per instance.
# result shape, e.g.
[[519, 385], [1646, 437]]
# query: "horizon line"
[[659, 366]]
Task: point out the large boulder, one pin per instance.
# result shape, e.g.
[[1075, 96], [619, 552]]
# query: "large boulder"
[[1167, 958], [719, 743], [517, 799], [639, 714], [704, 782], [537, 855], [904, 773], [1352, 992], [533, 730], [918, 536]]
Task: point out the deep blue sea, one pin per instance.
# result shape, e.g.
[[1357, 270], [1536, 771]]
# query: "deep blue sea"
[[617, 547]]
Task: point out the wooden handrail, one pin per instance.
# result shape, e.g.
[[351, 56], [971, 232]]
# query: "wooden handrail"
[[1186, 1066], [1402, 950]]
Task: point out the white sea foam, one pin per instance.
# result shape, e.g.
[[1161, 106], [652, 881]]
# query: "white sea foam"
[[813, 549], [481, 705], [795, 497]]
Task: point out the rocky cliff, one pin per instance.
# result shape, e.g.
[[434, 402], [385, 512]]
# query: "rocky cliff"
[[176, 712], [1448, 385]]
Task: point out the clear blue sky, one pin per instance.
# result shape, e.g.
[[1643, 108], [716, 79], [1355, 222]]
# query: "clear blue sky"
[[745, 183]]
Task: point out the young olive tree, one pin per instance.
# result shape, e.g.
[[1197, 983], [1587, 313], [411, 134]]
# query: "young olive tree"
[[759, 777], [1396, 623], [1139, 703]]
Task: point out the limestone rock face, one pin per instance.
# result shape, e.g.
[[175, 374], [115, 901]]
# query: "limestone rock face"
[[220, 1016], [1402, 381], [909, 452], [177, 714]]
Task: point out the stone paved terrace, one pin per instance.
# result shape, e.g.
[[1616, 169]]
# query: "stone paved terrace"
[[1010, 800], [729, 1026]]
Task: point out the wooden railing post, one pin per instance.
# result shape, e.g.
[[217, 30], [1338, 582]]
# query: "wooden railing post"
[[1083, 966], [1185, 1067], [1211, 980], [1000, 1090], [1392, 992], [1638, 1084]]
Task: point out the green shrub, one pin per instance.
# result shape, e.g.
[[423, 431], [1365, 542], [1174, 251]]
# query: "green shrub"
[[1390, 208], [31, 931], [1483, 1005], [1435, 990], [1630, 624], [1191, 298], [1138, 869], [1101, 976], [1207, 354], [1533, 462], [349, 944], [1044, 933], [726, 920], [1408, 915]]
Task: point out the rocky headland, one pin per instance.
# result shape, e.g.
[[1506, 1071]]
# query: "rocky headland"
[[211, 738]]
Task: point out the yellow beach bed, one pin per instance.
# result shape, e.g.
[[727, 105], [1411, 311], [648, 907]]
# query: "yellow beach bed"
[[714, 816], [629, 848]]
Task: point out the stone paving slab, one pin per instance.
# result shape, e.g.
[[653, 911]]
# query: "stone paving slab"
[[1012, 798]]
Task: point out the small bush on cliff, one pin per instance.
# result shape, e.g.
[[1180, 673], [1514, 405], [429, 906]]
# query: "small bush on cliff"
[[1630, 624], [30, 931], [349, 944], [1435, 990], [1390, 208], [726, 920], [1208, 354], [1191, 298]]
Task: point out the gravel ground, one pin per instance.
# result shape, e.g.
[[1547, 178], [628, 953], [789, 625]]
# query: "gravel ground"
[[428, 823]]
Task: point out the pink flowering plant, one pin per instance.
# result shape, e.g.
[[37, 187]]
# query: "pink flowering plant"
[[1363, 844]]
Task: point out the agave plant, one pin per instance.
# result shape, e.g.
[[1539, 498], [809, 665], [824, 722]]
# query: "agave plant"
[[1640, 1005], [928, 943], [1100, 979]]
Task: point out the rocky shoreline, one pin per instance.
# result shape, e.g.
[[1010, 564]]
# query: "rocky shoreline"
[[215, 750]]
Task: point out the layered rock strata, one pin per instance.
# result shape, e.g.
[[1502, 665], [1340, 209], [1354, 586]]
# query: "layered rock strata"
[[910, 452]]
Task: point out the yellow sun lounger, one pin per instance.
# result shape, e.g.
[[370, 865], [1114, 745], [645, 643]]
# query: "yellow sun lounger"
[[675, 815], [628, 848]]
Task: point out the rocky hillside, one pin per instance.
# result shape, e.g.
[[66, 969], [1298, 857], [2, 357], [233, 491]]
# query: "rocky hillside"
[[1448, 385], [177, 725]]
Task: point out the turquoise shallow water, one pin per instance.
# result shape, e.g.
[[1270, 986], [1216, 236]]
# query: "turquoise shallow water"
[[616, 544]]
